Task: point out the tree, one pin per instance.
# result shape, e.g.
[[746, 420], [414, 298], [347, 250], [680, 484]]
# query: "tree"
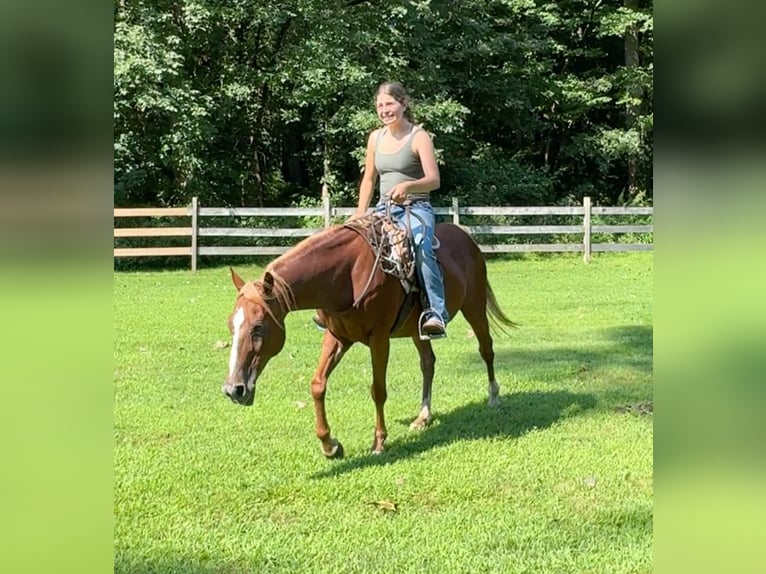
[[244, 102]]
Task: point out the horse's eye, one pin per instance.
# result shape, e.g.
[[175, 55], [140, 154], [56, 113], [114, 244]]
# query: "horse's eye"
[[257, 331]]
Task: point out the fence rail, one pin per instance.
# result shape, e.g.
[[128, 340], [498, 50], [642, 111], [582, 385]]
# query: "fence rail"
[[327, 213]]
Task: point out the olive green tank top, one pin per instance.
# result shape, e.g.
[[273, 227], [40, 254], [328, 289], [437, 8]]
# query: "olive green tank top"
[[394, 168]]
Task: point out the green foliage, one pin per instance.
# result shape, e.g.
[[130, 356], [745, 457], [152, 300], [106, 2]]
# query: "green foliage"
[[260, 103], [617, 22], [493, 176]]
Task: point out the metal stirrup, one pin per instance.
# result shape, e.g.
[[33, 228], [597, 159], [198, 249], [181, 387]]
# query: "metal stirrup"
[[427, 336]]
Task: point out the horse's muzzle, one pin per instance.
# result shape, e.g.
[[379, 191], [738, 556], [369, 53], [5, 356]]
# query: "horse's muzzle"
[[239, 393]]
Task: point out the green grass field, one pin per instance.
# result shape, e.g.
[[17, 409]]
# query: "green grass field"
[[557, 480]]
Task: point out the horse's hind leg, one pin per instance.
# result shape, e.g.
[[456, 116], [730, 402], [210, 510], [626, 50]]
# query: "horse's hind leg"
[[332, 352], [379, 351], [475, 312], [427, 362]]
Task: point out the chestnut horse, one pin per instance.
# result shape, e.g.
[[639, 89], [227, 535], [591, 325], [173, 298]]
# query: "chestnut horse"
[[335, 272]]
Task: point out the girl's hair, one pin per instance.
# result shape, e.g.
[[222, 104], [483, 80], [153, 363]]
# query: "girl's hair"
[[397, 91]]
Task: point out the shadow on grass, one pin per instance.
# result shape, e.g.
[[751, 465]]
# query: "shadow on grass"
[[629, 346], [517, 414], [140, 565], [136, 564]]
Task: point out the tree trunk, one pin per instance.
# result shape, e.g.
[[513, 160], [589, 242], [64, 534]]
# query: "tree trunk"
[[325, 169], [631, 63], [261, 165]]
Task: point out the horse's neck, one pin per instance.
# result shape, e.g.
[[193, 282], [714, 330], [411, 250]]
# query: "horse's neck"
[[315, 271], [313, 287]]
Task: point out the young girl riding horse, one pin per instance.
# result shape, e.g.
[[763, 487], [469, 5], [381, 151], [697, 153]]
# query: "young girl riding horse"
[[402, 154]]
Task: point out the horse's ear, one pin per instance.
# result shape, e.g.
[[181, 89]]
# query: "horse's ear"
[[268, 283], [238, 282]]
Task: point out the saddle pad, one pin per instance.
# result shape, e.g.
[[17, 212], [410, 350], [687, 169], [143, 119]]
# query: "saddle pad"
[[391, 245]]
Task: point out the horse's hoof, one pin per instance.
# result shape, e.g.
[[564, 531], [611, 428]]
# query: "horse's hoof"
[[419, 424], [336, 452]]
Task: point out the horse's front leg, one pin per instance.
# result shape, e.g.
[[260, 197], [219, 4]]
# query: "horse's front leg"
[[332, 352], [427, 362], [379, 350]]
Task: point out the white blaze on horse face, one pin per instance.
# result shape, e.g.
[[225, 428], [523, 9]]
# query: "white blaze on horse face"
[[237, 321]]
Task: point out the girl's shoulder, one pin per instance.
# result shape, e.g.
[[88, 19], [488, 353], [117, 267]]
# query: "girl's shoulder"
[[374, 137], [420, 131], [420, 135], [376, 134]]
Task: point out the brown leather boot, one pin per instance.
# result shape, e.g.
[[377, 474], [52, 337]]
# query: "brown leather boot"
[[433, 325]]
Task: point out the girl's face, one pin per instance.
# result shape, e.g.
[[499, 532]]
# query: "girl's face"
[[389, 109]]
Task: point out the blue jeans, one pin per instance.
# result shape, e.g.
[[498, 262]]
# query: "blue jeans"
[[422, 223]]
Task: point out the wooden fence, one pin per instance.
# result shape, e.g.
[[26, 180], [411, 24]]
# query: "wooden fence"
[[326, 213]]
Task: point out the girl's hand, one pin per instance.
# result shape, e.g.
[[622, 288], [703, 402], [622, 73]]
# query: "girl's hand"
[[398, 193]]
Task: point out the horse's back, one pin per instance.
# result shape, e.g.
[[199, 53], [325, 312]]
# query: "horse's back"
[[456, 246], [463, 266]]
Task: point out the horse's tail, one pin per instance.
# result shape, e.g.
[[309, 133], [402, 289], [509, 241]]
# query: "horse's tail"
[[499, 319]]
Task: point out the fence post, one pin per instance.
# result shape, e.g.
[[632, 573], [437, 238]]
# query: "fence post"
[[586, 205], [195, 228], [455, 211], [327, 210]]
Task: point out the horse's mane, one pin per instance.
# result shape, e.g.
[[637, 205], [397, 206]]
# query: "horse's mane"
[[272, 287], [279, 291]]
